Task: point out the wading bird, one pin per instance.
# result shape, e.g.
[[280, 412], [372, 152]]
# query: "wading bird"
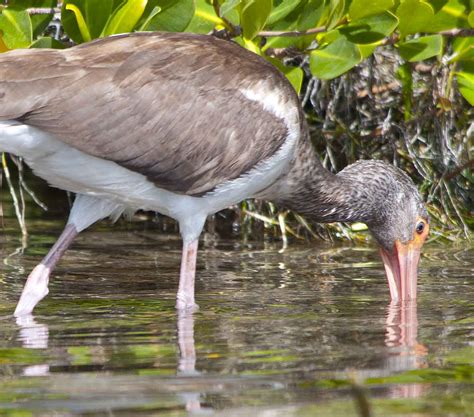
[[187, 125]]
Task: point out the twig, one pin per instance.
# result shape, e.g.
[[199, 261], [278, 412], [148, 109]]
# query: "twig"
[[284, 238], [271, 222], [31, 193], [394, 38], [391, 40], [379, 89], [307, 93], [456, 209], [306, 226], [230, 28], [43, 10], [455, 172], [1, 202], [22, 183], [291, 33], [281, 53], [457, 32], [19, 165], [16, 205]]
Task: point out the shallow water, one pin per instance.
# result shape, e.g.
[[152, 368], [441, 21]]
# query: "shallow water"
[[307, 332]]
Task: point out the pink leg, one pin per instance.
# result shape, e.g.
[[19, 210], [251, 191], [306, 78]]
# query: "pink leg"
[[36, 287], [185, 297]]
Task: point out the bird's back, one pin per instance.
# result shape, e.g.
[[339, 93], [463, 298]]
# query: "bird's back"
[[189, 112]]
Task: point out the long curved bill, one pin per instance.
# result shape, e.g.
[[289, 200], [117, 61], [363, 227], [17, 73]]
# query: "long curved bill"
[[401, 268]]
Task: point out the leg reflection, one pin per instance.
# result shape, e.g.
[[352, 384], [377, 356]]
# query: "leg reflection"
[[187, 352], [187, 357], [33, 335]]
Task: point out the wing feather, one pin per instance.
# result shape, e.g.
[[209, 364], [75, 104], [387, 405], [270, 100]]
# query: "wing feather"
[[169, 106]]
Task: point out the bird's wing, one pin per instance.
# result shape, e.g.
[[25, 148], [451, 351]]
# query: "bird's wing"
[[174, 108]]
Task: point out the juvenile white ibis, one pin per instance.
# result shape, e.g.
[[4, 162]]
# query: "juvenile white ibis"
[[187, 125]]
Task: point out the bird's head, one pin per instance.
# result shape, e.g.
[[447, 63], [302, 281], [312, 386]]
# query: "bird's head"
[[400, 225], [386, 199]]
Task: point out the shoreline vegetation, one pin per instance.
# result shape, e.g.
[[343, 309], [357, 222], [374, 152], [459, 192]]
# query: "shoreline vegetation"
[[391, 81]]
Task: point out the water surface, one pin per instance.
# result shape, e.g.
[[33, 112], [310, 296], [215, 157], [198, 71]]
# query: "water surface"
[[307, 332]]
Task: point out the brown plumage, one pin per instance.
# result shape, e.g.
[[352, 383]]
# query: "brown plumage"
[[106, 105], [187, 125]]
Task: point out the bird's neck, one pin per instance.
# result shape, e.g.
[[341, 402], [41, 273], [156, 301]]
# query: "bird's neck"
[[311, 190]]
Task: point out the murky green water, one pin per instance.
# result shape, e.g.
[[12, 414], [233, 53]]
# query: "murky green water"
[[308, 332]]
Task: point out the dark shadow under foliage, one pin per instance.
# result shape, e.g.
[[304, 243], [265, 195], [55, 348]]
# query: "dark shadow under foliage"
[[408, 115]]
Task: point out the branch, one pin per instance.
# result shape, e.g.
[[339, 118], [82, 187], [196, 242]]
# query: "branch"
[[43, 10], [232, 30], [290, 52], [292, 33], [457, 32], [456, 171]]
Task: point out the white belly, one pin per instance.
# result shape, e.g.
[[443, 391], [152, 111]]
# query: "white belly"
[[70, 169]]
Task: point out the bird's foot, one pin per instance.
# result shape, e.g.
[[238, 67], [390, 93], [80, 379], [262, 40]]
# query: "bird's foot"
[[186, 306], [36, 288]]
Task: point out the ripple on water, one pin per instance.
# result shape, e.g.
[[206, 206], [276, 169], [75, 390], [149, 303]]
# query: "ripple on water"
[[301, 333]]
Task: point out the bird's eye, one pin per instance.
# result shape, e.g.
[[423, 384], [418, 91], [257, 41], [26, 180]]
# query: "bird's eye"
[[420, 226]]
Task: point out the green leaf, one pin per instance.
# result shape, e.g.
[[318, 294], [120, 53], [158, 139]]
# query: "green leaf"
[[437, 4], [16, 28], [204, 18], [367, 50], [81, 23], [282, 10], [414, 16], [405, 76], [421, 48], [337, 10], [466, 85], [329, 37], [175, 15], [463, 49], [294, 74], [228, 6], [334, 59], [370, 29], [308, 14], [253, 16], [95, 14], [125, 17], [470, 19], [47, 42], [148, 18], [454, 14], [250, 45], [312, 14], [39, 22], [362, 8]]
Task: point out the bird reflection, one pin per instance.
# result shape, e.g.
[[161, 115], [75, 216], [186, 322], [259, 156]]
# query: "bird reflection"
[[33, 335], [187, 357], [187, 351], [405, 353], [401, 333]]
